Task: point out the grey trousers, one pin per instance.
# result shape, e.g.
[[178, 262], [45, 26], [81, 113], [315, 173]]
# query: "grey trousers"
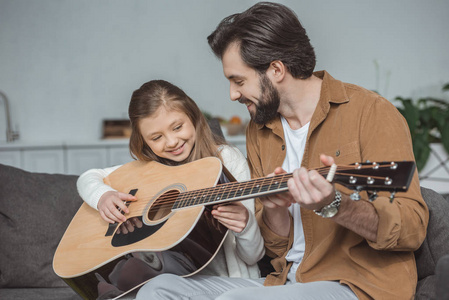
[[173, 287]]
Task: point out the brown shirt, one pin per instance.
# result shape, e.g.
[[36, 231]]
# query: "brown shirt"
[[352, 125]]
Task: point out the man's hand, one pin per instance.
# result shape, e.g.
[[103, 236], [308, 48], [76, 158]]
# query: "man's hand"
[[278, 201], [275, 213], [311, 190], [110, 203]]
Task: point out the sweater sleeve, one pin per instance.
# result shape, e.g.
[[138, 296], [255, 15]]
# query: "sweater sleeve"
[[91, 187], [250, 246]]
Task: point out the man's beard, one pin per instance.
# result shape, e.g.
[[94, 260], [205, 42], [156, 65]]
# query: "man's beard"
[[269, 100]]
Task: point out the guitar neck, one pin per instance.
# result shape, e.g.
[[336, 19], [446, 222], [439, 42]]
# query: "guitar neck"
[[386, 176], [233, 191]]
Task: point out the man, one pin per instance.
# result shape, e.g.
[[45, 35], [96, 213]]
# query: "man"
[[323, 245]]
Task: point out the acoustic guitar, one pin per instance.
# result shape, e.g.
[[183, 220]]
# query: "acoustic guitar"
[[179, 235]]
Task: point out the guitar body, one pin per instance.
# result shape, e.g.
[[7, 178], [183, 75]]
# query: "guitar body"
[[93, 257]]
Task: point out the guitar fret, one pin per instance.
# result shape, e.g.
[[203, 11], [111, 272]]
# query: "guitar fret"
[[205, 198], [215, 195], [248, 189], [179, 201], [266, 185], [283, 182], [273, 184], [226, 189], [188, 201], [193, 196], [256, 186], [240, 191]]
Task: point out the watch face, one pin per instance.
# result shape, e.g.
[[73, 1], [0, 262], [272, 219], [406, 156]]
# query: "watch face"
[[330, 212]]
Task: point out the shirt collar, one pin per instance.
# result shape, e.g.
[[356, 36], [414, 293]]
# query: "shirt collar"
[[332, 90]]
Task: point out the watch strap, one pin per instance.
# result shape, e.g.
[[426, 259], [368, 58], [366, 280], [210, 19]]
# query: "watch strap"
[[332, 206]]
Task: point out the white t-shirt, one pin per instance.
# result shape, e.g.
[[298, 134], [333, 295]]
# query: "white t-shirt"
[[295, 144]]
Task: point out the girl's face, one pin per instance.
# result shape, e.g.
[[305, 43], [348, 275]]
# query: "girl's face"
[[169, 133]]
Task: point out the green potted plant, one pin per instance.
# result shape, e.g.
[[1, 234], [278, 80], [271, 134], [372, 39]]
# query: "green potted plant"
[[428, 120]]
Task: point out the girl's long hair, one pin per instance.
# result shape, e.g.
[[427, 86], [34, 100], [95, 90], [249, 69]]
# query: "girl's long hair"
[[147, 100]]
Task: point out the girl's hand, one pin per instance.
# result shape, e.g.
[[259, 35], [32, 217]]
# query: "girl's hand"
[[234, 216], [129, 225], [110, 203]]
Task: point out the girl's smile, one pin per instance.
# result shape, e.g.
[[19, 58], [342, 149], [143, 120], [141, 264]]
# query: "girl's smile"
[[177, 151]]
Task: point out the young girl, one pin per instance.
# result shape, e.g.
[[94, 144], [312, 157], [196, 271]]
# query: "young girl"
[[168, 127]]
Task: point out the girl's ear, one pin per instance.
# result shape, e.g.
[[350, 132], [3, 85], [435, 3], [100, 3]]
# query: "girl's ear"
[[276, 71]]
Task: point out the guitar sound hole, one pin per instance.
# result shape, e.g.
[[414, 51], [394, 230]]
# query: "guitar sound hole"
[[161, 208]]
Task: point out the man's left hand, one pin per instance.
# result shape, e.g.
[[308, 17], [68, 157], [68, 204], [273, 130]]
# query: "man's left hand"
[[310, 189]]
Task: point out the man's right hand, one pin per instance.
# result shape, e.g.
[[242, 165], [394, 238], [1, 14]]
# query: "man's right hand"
[[110, 203]]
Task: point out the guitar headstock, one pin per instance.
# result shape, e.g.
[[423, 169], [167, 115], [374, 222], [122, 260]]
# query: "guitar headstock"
[[386, 176]]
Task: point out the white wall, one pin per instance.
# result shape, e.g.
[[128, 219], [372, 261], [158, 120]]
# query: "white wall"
[[68, 64]]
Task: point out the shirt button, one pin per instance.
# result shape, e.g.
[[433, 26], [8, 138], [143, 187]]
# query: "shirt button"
[[283, 147]]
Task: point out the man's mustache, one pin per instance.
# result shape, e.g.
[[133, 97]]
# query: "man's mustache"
[[243, 100]]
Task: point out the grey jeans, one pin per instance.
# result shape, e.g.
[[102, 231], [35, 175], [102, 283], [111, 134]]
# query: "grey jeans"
[[173, 287]]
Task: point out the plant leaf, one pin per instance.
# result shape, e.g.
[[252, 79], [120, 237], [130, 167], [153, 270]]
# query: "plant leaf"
[[446, 87], [410, 113], [421, 149], [444, 130]]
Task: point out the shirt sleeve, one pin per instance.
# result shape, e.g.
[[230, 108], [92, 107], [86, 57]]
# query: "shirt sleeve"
[[91, 187], [385, 136]]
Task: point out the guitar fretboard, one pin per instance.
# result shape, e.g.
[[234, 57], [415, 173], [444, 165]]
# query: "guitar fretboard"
[[385, 176], [233, 191]]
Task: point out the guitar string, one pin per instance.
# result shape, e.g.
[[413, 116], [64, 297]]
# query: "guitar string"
[[228, 188], [223, 189]]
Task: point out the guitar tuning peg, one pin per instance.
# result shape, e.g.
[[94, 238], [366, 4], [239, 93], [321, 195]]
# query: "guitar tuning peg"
[[392, 196], [368, 161], [373, 196], [355, 196]]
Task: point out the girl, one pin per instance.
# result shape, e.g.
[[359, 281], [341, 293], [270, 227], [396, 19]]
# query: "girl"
[[168, 127]]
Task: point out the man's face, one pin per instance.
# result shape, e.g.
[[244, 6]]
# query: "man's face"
[[248, 87]]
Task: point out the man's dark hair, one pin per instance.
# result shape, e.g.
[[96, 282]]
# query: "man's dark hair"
[[266, 32]]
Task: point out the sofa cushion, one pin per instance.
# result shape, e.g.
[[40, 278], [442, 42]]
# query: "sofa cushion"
[[39, 294], [436, 243], [442, 274], [35, 210]]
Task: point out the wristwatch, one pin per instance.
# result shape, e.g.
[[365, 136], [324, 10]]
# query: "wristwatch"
[[332, 209]]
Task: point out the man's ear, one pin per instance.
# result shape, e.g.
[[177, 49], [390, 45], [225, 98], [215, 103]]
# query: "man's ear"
[[276, 71]]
